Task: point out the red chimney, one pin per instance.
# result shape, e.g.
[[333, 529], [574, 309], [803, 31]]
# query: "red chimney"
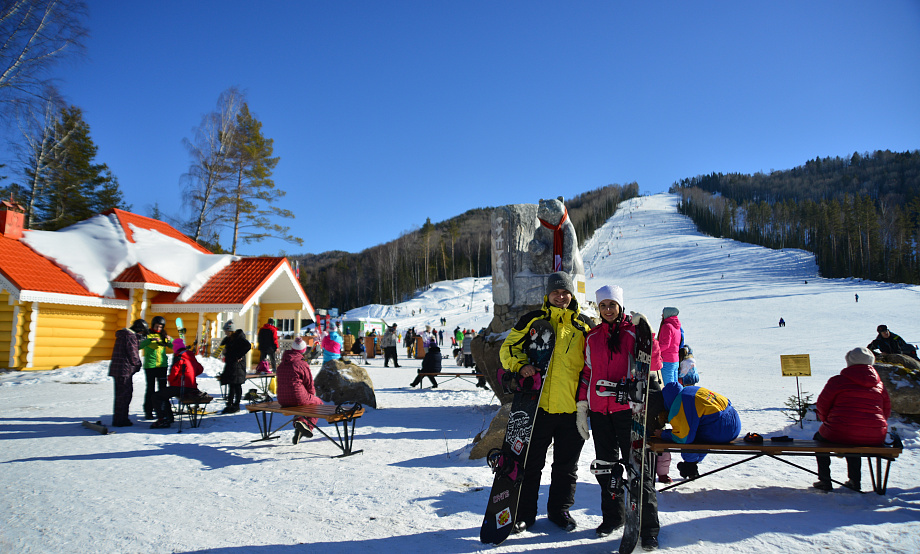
[[11, 219]]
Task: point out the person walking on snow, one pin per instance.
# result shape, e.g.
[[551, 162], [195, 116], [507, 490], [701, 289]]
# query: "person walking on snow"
[[388, 343]]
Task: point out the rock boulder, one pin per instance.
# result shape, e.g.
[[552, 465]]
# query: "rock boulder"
[[493, 436], [340, 382]]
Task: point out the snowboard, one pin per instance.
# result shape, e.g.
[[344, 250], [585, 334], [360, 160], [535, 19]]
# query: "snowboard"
[[181, 328], [638, 464], [508, 462]]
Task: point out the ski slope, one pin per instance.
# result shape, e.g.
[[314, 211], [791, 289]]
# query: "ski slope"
[[414, 489]]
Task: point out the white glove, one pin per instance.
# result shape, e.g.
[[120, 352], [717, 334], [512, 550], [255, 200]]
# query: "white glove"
[[581, 419], [636, 317]]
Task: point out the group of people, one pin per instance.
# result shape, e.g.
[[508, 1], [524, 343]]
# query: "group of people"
[[853, 407]]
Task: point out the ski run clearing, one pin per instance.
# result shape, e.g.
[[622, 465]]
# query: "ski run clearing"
[[414, 489]]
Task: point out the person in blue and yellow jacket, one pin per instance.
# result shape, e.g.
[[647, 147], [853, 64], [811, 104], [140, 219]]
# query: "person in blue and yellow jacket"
[[556, 416], [697, 415]]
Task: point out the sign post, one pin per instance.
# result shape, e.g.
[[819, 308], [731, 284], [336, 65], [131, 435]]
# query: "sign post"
[[796, 365]]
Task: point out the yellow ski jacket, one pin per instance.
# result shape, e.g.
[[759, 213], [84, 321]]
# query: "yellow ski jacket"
[[561, 380]]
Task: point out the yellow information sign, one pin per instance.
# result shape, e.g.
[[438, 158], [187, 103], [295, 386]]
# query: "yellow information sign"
[[795, 365]]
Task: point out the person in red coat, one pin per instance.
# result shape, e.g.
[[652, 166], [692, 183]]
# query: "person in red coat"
[[854, 408], [268, 342], [294, 383], [181, 382]]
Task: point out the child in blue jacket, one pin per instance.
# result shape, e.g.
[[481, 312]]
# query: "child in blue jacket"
[[697, 414]]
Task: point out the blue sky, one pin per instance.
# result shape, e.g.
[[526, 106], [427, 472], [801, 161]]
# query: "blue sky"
[[385, 113]]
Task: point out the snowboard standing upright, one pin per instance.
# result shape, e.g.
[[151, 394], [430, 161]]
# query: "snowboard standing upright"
[[638, 463], [508, 462]]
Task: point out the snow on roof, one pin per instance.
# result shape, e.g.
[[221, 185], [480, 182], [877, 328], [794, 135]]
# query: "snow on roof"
[[96, 251]]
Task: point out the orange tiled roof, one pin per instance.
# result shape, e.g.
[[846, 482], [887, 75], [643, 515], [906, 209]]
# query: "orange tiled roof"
[[139, 274], [234, 284], [153, 224], [27, 270]]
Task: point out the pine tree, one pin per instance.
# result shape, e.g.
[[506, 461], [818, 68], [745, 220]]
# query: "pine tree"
[[72, 187], [251, 197]]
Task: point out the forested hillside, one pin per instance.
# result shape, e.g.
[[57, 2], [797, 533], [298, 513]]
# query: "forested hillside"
[[458, 247], [860, 215]]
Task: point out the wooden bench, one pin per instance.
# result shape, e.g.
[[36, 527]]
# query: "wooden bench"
[[453, 375], [775, 449], [332, 414], [193, 408]]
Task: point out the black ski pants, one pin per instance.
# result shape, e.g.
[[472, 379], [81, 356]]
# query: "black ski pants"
[[611, 443], [156, 381], [124, 390], [389, 352], [560, 431], [854, 469]]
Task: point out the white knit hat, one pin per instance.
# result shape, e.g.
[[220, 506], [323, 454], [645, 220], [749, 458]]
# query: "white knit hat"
[[607, 292], [861, 355], [299, 344]]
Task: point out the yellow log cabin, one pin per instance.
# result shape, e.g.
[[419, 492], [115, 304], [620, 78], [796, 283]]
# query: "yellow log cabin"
[[64, 294]]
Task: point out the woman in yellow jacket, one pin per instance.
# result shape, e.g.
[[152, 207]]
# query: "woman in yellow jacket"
[[556, 415]]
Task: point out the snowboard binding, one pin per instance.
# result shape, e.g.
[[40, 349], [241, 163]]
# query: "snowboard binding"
[[512, 382], [625, 391], [502, 466], [615, 470]]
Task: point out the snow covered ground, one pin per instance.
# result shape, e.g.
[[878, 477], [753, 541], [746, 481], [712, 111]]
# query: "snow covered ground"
[[67, 489]]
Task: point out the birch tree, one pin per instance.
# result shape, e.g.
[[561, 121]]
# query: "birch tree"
[[210, 170], [34, 36]]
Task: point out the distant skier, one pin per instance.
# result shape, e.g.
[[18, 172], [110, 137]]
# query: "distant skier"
[[857, 298], [782, 322]]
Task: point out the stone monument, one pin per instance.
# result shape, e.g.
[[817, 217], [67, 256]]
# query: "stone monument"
[[529, 242]]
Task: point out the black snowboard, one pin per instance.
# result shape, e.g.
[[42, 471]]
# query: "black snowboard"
[[508, 462], [638, 463]]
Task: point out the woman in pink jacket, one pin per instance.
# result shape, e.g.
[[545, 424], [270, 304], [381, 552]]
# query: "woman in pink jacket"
[[670, 339], [295, 387], [609, 351]]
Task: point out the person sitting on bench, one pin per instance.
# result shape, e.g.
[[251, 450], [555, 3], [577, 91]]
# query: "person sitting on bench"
[[854, 408], [181, 380], [295, 387], [699, 415], [431, 363]]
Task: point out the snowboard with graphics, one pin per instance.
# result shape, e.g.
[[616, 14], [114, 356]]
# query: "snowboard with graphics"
[[638, 463], [508, 462]]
